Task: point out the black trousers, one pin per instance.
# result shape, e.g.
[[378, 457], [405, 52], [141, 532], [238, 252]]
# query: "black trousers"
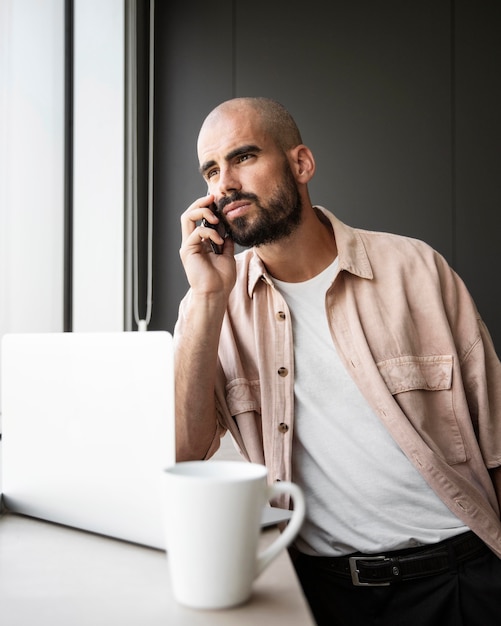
[[467, 595]]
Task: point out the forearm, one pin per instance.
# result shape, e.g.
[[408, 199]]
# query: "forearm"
[[195, 371]]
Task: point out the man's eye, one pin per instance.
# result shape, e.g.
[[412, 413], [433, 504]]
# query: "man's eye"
[[244, 157], [211, 173]]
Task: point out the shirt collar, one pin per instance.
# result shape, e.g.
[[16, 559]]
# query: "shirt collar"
[[352, 254]]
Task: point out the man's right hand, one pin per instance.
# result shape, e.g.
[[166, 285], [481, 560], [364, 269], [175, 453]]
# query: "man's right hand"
[[207, 273]]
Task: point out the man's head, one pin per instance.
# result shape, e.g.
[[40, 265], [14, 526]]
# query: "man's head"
[[273, 117], [253, 160]]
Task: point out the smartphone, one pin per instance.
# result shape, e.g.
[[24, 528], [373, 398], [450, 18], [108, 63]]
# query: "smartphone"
[[219, 227]]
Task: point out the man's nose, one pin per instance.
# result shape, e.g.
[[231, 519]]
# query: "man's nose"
[[228, 182]]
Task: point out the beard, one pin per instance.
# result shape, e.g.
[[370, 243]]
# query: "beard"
[[276, 219]]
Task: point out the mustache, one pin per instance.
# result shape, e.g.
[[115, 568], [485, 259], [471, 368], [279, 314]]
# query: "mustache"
[[235, 197]]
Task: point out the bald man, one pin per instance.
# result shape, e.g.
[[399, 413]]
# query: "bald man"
[[354, 363]]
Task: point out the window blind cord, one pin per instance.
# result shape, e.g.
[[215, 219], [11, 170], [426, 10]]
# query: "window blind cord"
[[142, 324]]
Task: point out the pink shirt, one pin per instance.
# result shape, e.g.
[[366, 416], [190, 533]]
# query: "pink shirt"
[[408, 333]]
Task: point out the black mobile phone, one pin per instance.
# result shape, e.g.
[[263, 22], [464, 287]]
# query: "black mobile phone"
[[219, 227]]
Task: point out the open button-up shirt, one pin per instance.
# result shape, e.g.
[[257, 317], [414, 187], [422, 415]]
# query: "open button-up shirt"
[[406, 329]]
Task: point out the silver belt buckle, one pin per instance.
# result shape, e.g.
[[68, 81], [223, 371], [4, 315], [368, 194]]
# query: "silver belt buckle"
[[354, 571]]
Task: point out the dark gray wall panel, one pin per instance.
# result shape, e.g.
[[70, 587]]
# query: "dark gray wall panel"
[[194, 72], [478, 155], [369, 83]]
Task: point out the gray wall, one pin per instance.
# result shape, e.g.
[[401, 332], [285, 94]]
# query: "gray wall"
[[399, 101]]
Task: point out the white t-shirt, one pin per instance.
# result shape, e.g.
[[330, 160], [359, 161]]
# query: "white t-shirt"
[[362, 493]]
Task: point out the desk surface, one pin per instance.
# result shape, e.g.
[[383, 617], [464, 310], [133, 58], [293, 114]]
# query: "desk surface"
[[54, 575]]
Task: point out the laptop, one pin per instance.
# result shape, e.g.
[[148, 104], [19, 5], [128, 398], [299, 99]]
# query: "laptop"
[[88, 426]]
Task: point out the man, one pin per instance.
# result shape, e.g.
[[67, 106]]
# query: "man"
[[353, 363]]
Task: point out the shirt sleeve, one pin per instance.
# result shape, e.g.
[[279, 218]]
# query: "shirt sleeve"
[[482, 381]]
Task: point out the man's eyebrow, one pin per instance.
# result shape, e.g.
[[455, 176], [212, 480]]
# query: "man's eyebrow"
[[231, 155], [242, 150], [206, 166]]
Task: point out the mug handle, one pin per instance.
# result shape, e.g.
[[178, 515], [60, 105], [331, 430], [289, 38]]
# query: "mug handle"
[[292, 528]]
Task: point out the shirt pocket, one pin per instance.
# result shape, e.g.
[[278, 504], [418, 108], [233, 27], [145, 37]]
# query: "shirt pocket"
[[422, 387]]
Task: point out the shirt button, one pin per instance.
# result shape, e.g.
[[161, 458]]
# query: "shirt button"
[[280, 316], [282, 371], [282, 427]]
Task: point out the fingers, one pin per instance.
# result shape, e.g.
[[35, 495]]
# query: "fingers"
[[195, 234], [207, 272]]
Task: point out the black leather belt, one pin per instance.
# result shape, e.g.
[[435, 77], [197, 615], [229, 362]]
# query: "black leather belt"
[[379, 570]]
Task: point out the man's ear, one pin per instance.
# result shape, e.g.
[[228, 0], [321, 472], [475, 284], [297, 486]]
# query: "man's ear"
[[302, 163]]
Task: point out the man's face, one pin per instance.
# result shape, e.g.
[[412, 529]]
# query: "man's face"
[[276, 216], [255, 190]]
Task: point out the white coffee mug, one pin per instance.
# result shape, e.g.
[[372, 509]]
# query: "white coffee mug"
[[212, 513]]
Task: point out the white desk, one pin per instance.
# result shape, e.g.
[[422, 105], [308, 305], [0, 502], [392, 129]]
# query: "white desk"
[[51, 575]]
